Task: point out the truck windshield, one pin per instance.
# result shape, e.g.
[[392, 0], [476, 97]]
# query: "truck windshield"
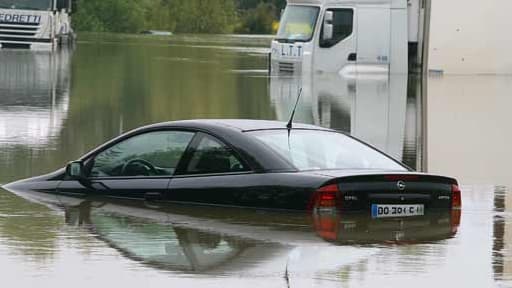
[[325, 150], [26, 4], [298, 23]]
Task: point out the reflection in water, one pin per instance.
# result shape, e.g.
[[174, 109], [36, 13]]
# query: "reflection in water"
[[321, 250], [34, 104], [375, 108], [28, 228], [361, 229], [220, 240], [117, 87], [34, 96], [162, 245], [502, 237]]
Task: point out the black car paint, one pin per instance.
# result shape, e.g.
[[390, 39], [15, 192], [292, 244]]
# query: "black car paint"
[[271, 182]]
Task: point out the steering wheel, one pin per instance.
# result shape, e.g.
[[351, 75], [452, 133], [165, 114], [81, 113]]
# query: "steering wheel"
[[146, 164]]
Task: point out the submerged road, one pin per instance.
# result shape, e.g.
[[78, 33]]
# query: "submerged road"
[[93, 243], [55, 107]]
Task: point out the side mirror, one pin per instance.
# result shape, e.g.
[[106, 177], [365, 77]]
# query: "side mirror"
[[75, 170], [329, 16], [328, 28]]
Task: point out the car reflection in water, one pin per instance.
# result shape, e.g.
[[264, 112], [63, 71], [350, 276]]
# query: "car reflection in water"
[[34, 95], [383, 110], [362, 229], [158, 244], [217, 240]]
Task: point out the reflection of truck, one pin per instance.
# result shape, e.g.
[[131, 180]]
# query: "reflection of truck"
[[35, 24], [34, 96], [376, 109], [349, 37]]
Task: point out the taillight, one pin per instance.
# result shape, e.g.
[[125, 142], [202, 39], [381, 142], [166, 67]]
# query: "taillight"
[[456, 197], [327, 196]]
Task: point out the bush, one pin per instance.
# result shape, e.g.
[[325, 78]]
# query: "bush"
[[185, 16], [258, 20], [204, 16], [109, 15]]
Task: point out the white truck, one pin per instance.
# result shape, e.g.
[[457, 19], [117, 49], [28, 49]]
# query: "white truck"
[[35, 24], [349, 36]]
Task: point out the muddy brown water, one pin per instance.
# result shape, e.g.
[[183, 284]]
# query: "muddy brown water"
[[55, 107]]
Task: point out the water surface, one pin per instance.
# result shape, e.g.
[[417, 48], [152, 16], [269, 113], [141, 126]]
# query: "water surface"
[[55, 107]]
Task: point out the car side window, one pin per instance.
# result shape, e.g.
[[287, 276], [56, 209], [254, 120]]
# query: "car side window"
[[343, 25], [212, 156], [149, 154]]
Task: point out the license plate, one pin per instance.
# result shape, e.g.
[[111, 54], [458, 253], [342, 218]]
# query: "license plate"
[[383, 211]]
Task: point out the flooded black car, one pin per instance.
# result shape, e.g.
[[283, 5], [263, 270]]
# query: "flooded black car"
[[250, 163]]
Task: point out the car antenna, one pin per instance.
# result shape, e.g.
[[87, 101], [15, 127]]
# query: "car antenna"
[[289, 125]]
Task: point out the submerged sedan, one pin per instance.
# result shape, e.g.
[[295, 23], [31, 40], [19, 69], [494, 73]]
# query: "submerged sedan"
[[250, 163]]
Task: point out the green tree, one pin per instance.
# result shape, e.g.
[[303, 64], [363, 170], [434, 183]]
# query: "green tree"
[[258, 20], [204, 16], [182, 16], [157, 15], [110, 15]]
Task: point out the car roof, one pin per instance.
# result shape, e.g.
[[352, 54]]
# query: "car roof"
[[243, 125]]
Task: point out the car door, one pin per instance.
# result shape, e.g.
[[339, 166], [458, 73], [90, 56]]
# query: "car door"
[[138, 167], [332, 55], [211, 173]]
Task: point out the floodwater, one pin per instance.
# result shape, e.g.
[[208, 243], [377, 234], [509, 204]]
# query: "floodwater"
[[55, 107]]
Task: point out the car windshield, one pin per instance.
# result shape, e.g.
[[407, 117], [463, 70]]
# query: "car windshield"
[[298, 23], [26, 4], [321, 150]]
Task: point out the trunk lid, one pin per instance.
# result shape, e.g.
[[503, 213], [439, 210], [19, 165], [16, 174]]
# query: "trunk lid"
[[362, 189]]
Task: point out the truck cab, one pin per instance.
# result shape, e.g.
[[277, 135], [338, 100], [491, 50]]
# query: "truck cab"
[[346, 36], [35, 24]]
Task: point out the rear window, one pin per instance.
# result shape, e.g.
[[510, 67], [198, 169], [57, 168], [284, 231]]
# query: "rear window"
[[321, 150]]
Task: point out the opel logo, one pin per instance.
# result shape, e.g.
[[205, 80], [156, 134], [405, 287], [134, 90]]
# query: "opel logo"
[[400, 185]]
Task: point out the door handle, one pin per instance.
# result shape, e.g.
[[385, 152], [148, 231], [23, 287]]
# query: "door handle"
[[99, 186], [153, 196], [352, 57]]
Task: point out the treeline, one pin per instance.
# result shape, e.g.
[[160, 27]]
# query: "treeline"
[[180, 16]]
